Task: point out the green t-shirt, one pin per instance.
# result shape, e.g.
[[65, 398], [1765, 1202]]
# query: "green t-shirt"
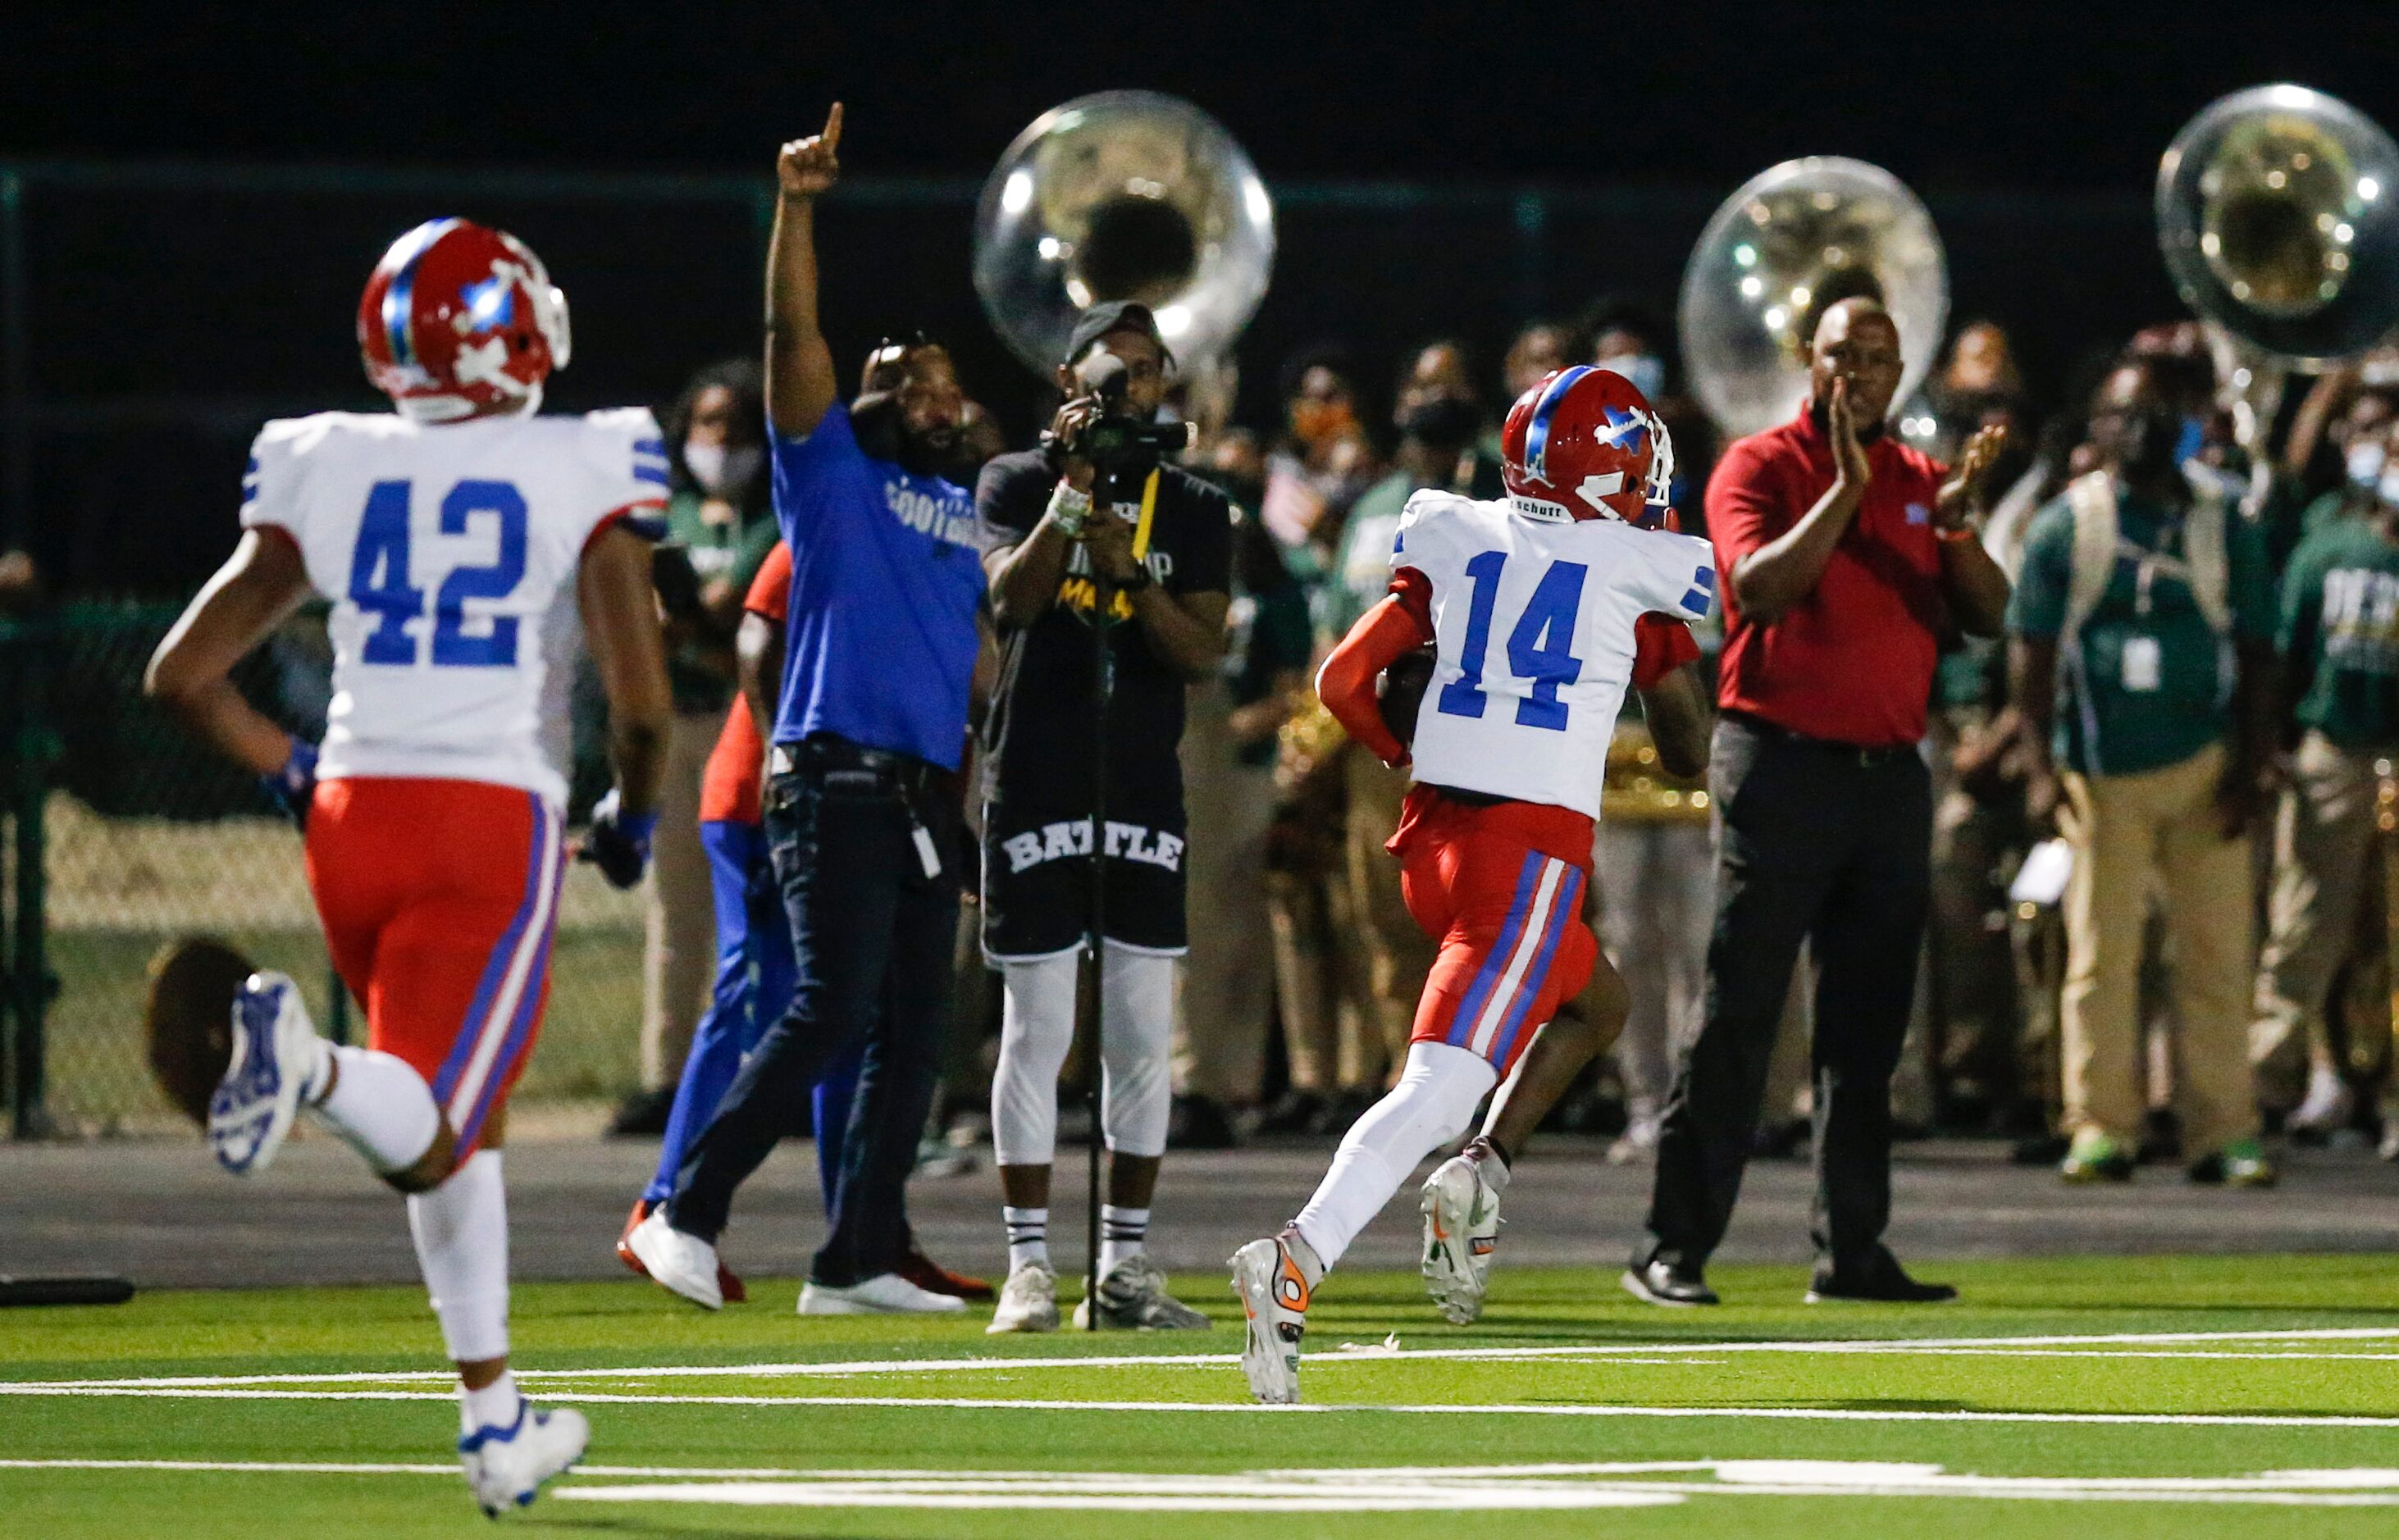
[[2340, 619], [2153, 684], [724, 549], [1362, 567]]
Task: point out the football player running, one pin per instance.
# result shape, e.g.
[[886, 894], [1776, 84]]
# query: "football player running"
[[1541, 609], [468, 547]]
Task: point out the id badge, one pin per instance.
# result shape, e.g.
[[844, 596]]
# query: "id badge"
[[927, 854], [2143, 661]]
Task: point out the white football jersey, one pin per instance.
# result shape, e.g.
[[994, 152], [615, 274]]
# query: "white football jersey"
[[450, 552], [1533, 632]]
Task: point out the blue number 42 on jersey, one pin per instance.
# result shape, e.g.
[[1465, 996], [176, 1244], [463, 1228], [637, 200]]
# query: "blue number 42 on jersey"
[[381, 587]]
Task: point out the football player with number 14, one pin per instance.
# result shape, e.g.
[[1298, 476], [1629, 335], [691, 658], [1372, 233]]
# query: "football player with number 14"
[[1539, 610], [470, 548]]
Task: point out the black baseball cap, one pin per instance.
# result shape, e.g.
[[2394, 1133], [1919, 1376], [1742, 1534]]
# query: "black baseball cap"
[[1112, 316]]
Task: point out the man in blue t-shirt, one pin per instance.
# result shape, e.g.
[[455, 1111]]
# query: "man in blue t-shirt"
[[863, 805]]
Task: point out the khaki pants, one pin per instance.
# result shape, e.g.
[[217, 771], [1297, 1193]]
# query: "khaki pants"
[[1398, 954], [2126, 829], [1220, 1029], [1658, 902], [2323, 869], [679, 938]]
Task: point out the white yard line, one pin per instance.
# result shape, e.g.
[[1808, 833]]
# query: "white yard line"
[[2034, 1346], [1480, 1488], [966, 1403]]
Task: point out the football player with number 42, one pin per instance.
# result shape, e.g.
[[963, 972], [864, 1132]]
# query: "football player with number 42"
[[469, 548], [1539, 610]]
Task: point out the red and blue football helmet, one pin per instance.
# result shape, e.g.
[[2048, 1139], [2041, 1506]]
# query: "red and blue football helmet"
[[1584, 443], [460, 320]]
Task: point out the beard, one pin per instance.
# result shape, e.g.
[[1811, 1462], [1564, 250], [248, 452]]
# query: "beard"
[[937, 452]]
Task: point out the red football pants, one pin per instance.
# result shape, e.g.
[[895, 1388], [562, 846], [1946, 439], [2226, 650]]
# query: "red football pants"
[[440, 899], [1491, 885]]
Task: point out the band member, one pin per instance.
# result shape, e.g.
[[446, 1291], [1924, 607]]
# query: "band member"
[[461, 543], [1073, 527], [1541, 610]]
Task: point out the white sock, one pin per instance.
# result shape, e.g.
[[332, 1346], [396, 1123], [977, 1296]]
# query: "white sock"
[[461, 1229], [1432, 1105], [1123, 1232], [1028, 1236], [380, 1107], [494, 1406]]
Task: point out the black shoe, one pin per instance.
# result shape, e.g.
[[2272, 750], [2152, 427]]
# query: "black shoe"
[[1198, 1123], [1295, 1112], [643, 1114], [1661, 1282], [1879, 1281], [1787, 1140]]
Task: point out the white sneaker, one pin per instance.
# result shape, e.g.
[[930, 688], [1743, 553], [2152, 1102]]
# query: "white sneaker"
[[683, 1263], [1461, 1231], [1133, 1298], [1637, 1145], [275, 1051], [1274, 1296], [508, 1466], [2326, 1105], [1028, 1301], [885, 1294]]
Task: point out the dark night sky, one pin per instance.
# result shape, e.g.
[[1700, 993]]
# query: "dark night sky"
[[1954, 95], [166, 315]]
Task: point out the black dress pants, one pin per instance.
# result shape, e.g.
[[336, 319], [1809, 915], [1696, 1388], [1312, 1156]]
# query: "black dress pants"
[[871, 934], [1830, 844]]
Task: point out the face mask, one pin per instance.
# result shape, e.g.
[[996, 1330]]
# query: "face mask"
[[2387, 489], [720, 469], [1647, 370], [2191, 441], [1445, 422], [2365, 464]]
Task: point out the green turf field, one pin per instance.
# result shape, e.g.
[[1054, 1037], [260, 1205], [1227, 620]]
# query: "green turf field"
[[2185, 1397]]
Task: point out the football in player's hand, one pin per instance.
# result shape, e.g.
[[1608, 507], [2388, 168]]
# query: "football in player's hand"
[[1401, 690]]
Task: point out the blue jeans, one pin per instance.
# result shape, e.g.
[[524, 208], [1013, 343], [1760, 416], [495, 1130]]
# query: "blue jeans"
[[872, 933], [753, 986]]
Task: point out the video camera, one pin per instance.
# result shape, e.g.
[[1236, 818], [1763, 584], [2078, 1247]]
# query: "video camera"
[[1117, 442]]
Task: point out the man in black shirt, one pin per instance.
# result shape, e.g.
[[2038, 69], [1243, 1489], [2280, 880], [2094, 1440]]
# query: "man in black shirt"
[[1153, 542]]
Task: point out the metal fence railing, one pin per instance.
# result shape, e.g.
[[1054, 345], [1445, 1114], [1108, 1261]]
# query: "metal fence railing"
[[126, 833]]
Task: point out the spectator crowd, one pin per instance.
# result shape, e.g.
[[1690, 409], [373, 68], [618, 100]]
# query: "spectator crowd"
[[2190, 717]]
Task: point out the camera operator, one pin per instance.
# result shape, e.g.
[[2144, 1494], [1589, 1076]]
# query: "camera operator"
[[1093, 524]]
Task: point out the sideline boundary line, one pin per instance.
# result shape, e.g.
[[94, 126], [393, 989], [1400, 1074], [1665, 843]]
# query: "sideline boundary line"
[[2029, 1346], [964, 1403]]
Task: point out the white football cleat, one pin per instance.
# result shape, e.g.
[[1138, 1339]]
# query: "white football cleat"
[[1461, 1231], [1028, 1302], [275, 1052], [1274, 1296], [685, 1265], [884, 1294], [1133, 1298], [508, 1466]]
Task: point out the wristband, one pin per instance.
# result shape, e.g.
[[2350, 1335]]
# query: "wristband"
[[638, 826], [1957, 536], [1070, 508]]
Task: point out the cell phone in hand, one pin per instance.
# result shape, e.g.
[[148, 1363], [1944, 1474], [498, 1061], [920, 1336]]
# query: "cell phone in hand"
[[678, 585]]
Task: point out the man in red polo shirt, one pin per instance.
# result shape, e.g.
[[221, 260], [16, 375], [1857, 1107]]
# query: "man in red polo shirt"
[[1848, 556]]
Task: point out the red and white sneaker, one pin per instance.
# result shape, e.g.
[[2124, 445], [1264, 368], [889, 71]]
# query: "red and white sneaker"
[[934, 1278], [728, 1285]]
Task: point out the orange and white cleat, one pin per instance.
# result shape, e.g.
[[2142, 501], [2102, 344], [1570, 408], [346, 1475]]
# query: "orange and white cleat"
[[1274, 1296]]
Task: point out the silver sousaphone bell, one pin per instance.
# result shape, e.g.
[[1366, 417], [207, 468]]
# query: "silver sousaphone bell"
[[2278, 213], [1795, 238], [1123, 195]]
